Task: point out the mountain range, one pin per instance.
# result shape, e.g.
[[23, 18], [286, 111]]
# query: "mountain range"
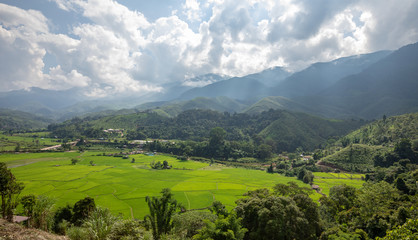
[[364, 86]]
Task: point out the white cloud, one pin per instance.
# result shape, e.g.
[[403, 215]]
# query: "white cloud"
[[120, 51], [191, 8]]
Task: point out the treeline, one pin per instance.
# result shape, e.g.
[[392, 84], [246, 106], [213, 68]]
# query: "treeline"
[[296, 129]]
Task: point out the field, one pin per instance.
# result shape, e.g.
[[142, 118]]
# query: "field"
[[122, 186], [327, 180], [27, 141]]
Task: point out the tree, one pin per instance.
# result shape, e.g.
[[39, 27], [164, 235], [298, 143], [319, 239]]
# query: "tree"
[[42, 212], [28, 202], [99, 224], [274, 217], [74, 161], [82, 210], [224, 228], [161, 210], [9, 190], [409, 230], [216, 141], [264, 152], [62, 215]]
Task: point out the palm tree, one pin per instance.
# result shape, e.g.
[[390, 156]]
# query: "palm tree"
[[161, 210]]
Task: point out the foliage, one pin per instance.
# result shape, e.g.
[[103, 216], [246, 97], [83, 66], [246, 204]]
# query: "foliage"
[[9, 191], [42, 212], [196, 125], [127, 230], [28, 202], [385, 131], [268, 216], [82, 210], [161, 211], [224, 228], [189, 223], [62, 216], [99, 224], [407, 231]]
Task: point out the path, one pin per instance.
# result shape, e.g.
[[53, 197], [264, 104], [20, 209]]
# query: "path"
[[58, 146]]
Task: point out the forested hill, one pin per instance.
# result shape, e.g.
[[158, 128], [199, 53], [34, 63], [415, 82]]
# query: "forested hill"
[[274, 126], [386, 131], [379, 143], [17, 120]]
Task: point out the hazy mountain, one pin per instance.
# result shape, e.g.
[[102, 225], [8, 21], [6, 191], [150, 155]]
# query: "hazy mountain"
[[321, 75], [12, 119], [270, 77], [39, 101], [174, 90], [171, 109], [275, 102], [242, 88], [389, 87]]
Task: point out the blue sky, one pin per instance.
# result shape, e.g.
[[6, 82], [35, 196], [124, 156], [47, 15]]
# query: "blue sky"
[[111, 47]]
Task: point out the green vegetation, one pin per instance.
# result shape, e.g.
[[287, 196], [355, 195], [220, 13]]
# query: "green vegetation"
[[30, 141], [17, 120], [355, 157], [282, 130], [122, 186]]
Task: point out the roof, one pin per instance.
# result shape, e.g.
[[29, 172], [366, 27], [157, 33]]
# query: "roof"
[[19, 219]]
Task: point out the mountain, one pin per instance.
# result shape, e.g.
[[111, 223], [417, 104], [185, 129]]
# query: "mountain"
[[173, 108], [386, 131], [275, 102], [284, 130], [319, 76], [39, 101], [173, 91], [17, 120], [356, 150], [388, 87], [270, 77], [304, 130], [242, 88]]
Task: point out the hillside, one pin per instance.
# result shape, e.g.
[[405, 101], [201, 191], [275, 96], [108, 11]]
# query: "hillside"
[[17, 120], [354, 158], [320, 76], [386, 131], [275, 102], [305, 130], [389, 87], [356, 150], [17, 232], [244, 88], [171, 109]]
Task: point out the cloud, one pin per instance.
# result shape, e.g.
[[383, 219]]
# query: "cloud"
[[119, 51], [191, 8]]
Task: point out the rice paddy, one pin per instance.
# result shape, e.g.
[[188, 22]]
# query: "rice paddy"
[[121, 186]]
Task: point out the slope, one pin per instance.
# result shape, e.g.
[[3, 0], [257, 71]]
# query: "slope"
[[235, 88], [319, 76], [17, 120], [387, 87]]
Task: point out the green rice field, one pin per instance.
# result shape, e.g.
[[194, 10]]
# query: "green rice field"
[[122, 186], [327, 180]]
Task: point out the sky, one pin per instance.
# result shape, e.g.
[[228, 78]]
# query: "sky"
[[125, 47]]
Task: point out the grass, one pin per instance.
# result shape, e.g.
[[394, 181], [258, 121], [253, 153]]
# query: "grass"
[[327, 180], [122, 186], [27, 141]]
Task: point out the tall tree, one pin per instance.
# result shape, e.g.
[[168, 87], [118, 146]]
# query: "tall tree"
[[9, 191], [28, 203], [216, 141], [161, 210]]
